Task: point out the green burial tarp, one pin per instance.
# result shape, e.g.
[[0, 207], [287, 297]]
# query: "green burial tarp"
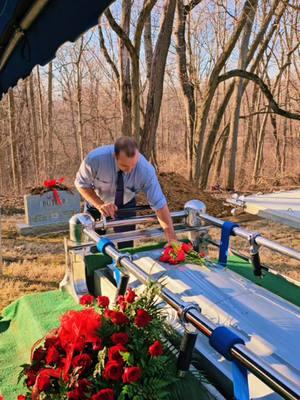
[[23, 323]]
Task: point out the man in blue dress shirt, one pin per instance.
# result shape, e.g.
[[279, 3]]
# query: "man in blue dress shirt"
[[110, 177]]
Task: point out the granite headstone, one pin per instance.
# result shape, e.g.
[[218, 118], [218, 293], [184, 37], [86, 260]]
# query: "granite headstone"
[[44, 214]]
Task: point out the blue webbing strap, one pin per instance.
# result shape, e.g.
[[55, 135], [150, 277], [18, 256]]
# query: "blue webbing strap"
[[227, 230], [101, 248], [223, 339], [103, 243]]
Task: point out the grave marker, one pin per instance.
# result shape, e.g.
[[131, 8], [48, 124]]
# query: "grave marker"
[[43, 214]]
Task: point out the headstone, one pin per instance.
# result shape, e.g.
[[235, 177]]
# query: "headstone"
[[43, 214]]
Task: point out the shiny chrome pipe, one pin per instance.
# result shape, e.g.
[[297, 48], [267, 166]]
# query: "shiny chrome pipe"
[[259, 240], [251, 361], [135, 220]]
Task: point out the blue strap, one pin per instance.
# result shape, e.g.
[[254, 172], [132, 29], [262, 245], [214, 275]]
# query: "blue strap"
[[222, 340], [227, 230], [103, 243]]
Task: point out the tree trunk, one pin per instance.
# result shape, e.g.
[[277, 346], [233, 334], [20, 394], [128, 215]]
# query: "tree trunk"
[[239, 91], [187, 88], [50, 121], [125, 78], [12, 139], [34, 130], [213, 83], [156, 81], [79, 100], [42, 125]]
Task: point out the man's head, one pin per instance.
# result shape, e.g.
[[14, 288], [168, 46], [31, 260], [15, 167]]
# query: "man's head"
[[126, 152]]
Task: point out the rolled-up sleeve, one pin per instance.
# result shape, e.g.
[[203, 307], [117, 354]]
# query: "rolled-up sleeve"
[[85, 176], [153, 192]]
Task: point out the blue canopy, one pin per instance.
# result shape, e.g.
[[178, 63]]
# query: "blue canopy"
[[32, 30]]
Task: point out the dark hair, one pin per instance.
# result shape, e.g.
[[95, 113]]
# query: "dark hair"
[[126, 144]]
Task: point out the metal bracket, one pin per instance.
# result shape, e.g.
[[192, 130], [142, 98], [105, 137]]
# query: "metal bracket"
[[254, 247], [125, 255], [254, 254], [182, 313]]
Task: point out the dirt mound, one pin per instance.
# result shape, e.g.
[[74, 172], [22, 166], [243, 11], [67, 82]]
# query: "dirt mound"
[[178, 191]]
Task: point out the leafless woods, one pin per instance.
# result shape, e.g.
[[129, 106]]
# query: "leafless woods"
[[209, 88]]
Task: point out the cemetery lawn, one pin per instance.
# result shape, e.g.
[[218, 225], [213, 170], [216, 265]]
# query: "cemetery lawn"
[[30, 264]]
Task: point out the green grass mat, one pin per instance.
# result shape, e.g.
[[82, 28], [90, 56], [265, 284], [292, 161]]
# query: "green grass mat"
[[22, 324], [274, 283]]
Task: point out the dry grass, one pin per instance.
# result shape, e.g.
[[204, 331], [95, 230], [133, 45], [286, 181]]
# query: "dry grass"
[[29, 264]]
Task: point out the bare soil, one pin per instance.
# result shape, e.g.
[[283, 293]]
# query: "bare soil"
[[35, 264]]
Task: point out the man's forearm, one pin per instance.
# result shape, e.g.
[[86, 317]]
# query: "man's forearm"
[[166, 223], [90, 196]]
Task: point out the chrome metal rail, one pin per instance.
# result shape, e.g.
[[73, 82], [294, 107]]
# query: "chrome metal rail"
[[251, 361]]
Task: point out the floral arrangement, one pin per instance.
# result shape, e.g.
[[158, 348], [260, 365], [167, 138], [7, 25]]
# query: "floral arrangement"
[[182, 252], [104, 353]]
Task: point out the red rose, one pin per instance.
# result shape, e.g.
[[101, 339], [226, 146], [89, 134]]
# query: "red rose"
[[113, 370], [83, 361], [20, 397], [43, 382], [104, 394], [39, 354], [80, 392], [31, 377], [142, 319], [187, 247], [166, 254], [156, 349], [122, 303], [202, 254], [86, 300], [131, 374], [103, 301], [117, 317], [52, 355], [130, 296], [98, 344], [114, 353], [120, 338]]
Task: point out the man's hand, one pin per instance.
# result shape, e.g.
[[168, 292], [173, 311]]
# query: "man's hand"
[[108, 210]]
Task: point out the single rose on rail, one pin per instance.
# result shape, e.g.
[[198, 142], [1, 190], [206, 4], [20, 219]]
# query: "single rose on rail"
[[179, 253]]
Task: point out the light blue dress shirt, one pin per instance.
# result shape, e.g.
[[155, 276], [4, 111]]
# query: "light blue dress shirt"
[[99, 171]]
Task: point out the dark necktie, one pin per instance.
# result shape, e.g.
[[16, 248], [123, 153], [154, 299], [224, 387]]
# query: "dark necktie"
[[119, 198]]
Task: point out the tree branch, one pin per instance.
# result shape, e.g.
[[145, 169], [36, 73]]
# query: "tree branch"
[[192, 4], [264, 88], [120, 32], [106, 54], [147, 8]]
